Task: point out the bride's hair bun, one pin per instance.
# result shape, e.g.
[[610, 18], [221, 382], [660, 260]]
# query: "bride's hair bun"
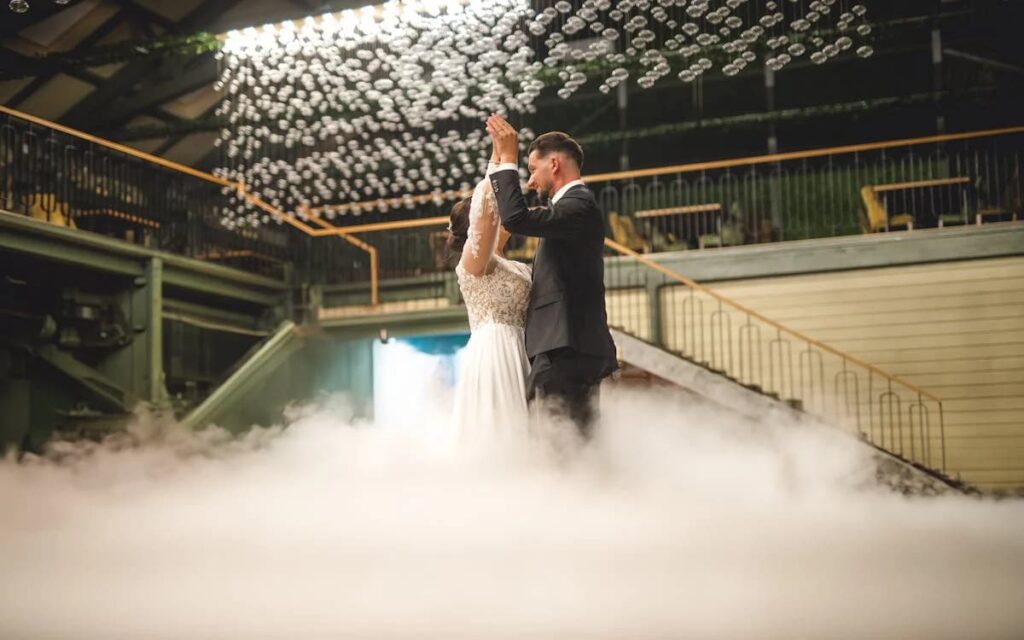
[[458, 230]]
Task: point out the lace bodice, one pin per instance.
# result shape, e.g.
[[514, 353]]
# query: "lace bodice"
[[501, 296]]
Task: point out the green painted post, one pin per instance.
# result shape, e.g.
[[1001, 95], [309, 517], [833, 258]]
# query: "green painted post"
[[155, 389], [15, 403], [653, 284]]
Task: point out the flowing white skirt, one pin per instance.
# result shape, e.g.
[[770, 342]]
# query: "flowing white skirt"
[[490, 394]]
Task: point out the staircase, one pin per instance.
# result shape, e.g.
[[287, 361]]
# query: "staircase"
[[252, 372], [728, 394], [713, 386], [689, 334]]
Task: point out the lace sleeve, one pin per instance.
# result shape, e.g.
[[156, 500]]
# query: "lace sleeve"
[[482, 237]]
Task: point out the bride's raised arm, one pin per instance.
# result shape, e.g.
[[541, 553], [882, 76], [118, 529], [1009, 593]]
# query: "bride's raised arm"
[[482, 237]]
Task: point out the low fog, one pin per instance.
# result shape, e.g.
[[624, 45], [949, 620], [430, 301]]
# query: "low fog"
[[677, 521]]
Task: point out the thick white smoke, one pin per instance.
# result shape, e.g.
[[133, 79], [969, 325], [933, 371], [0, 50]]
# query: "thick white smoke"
[[677, 521]]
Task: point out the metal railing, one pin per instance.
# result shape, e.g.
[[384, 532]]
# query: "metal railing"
[[708, 328], [934, 181], [72, 179], [962, 178], [75, 179]]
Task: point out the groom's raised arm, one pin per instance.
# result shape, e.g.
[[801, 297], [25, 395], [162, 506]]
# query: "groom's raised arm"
[[569, 219]]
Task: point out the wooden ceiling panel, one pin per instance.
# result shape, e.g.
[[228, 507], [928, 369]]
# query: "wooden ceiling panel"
[[173, 11], [66, 29], [9, 88], [55, 97], [192, 148]]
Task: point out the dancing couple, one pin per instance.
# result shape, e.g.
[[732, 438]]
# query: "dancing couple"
[[539, 344]]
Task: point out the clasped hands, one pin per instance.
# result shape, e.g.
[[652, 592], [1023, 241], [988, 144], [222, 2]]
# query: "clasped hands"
[[504, 140]]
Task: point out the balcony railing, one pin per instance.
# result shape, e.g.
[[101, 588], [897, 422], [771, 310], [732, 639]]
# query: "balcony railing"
[[75, 180], [937, 181]]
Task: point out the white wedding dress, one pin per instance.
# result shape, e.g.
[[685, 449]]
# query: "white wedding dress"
[[490, 394]]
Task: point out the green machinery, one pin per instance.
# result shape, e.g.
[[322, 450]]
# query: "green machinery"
[[93, 329]]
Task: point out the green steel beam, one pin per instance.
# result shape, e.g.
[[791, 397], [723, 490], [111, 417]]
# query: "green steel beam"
[[222, 273], [206, 323], [212, 314], [86, 249], [391, 289], [390, 283], [444, 320], [156, 391], [109, 394], [16, 400], [206, 283], [17, 236], [270, 355]]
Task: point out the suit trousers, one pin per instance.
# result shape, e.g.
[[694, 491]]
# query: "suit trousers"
[[566, 382]]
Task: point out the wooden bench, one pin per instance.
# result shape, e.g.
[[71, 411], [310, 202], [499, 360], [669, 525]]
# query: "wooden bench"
[[704, 240], [877, 211], [624, 232], [993, 212]]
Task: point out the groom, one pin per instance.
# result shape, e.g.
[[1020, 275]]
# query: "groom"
[[567, 336]]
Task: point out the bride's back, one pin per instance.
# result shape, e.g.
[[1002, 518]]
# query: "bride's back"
[[499, 297]]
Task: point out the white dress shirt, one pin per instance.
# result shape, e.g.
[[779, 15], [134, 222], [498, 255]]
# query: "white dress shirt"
[[561, 192]]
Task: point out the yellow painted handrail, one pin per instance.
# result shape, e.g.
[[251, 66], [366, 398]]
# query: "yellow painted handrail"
[[390, 226], [392, 202], [135, 153], [799, 155]]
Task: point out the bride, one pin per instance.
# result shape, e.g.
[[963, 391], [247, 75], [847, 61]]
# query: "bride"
[[490, 396]]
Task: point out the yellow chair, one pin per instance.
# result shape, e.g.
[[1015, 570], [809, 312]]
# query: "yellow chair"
[[624, 232], [709, 240], [46, 207], [661, 241], [878, 217]]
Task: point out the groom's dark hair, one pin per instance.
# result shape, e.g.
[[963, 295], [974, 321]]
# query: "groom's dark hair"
[[558, 142]]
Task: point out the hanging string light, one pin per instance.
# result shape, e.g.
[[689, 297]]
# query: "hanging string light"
[[374, 104]]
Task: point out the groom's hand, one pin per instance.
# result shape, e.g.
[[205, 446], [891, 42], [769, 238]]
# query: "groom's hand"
[[505, 139]]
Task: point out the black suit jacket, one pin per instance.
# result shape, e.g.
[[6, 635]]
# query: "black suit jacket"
[[567, 307]]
